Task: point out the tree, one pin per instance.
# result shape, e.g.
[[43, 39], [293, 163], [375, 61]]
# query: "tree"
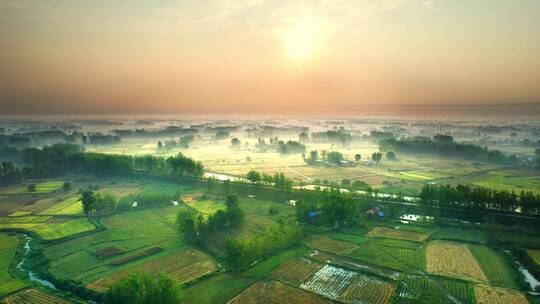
[[235, 215], [390, 155], [357, 157], [88, 202], [84, 139], [235, 142], [376, 156], [31, 187], [253, 176], [66, 186], [159, 145], [141, 288], [334, 157]]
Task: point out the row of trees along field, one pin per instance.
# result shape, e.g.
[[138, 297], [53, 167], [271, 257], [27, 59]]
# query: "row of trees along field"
[[329, 209], [444, 145], [59, 159], [463, 196], [278, 180]]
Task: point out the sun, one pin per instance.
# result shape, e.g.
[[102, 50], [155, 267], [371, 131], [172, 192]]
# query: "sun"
[[303, 39]]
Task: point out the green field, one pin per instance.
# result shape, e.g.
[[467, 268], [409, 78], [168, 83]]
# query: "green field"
[[8, 246], [423, 289], [130, 231], [496, 269], [396, 254], [461, 234], [216, 289], [509, 180], [261, 269], [47, 227]]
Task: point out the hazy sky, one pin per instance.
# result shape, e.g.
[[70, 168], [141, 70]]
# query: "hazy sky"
[[264, 55]]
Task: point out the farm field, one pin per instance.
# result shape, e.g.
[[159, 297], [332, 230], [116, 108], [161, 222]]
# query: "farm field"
[[273, 292], [33, 295], [496, 269], [132, 232], [8, 246], [453, 260], [348, 286], [384, 232], [400, 255], [423, 289], [296, 271], [184, 266], [461, 234], [215, 289], [48, 228], [324, 243], [486, 294], [263, 268]]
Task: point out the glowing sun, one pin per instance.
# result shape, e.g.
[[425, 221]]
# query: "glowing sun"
[[303, 39]]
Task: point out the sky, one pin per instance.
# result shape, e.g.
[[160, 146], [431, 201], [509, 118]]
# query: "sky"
[[275, 56]]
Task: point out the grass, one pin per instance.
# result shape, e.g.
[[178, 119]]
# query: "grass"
[[494, 266], [509, 180], [216, 289], [461, 234], [206, 207], [8, 246], [262, 268]]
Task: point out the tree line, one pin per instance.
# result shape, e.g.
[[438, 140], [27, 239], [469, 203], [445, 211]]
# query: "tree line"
[[59, 159], [329, 209], [445, 145], [478, 198]]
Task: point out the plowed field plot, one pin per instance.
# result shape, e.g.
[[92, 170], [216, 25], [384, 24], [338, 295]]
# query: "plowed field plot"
[[348, 286], [276, 292], [401, 255], [453, 260], [383, 232], [296, 271], [422, 289], [354, 264], [327, 244], [494, 266], [496, 295], [33, 295], [183, 266]]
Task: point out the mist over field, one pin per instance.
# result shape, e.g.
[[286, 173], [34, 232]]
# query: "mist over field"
[[269, 151]]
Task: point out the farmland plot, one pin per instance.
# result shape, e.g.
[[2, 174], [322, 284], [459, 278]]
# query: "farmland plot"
[[423, 289], [401, 255], [183, 266], [331, 245], [535, 255], [8, 246], [461, 234], [383, 232], [273, 292], [496, 295], [494, 266], [348, 286], [296, 271], [33, 295], [453, 260]]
